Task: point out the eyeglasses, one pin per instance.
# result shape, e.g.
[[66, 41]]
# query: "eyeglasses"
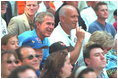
[[32, 56], [9, 62]]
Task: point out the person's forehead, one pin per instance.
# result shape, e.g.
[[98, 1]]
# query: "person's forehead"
[[102, 6], [7, 56], [96, 50], [27, 51], [31, 2]]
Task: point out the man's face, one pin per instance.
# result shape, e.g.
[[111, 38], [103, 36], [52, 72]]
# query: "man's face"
[[70, 20], [97, 59], [29, 57], [8, 64], [3, 7], [39, 52], [46, 27], [102, 12], [31, 7]]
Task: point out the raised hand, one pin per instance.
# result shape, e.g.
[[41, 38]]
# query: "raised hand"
[[80, 33]]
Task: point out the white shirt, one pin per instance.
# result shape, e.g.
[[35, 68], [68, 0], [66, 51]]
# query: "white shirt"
[[42, 7], [3, 27], [59, 35], [88, 15], [80, 60]]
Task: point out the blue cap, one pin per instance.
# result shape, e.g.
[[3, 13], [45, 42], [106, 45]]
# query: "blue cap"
[[32, 41]]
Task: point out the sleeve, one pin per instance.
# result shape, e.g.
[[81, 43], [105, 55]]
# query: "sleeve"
[[13, 26]]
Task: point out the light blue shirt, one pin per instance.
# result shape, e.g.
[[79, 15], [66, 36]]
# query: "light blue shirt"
[[23, 36]]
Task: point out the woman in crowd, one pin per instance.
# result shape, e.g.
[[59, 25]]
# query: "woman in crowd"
[[9, 42], [57, 66], [9, 61]]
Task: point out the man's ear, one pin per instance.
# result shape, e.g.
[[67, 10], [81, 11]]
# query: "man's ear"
[[62, 18], [87, 61], [4, 47], [37, 24]]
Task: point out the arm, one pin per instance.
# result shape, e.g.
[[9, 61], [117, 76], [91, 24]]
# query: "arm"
[[12, 27], [80, 33]]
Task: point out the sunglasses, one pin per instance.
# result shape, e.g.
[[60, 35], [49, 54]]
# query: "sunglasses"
[[33, 56], [9, 62]]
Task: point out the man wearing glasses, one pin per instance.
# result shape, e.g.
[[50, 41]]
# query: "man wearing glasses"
[[30, 52], [28, 56]]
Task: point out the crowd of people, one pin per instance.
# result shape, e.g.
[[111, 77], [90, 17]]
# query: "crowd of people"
[[50, 39]]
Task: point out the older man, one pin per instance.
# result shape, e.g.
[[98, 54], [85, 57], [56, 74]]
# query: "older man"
[[68, 31]]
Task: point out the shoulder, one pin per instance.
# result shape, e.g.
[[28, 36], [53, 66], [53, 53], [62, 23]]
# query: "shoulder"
[[18, 18], [23, 36], [94, 23]]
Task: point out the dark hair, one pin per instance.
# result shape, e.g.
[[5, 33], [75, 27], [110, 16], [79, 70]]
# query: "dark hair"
[[78, 72], [86, 50], [85, 71], [53, 65], [18, 51], [99, 4], [115, 13], [17, 70]]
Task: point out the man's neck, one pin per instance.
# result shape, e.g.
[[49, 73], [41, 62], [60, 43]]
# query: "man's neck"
[[66, 30], [30, 17], [40, 35], [101, 21]]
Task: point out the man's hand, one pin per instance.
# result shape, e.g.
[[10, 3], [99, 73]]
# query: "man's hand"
[[80, 33]]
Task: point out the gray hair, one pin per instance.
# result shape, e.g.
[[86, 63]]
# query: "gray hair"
[[40, 16], [102, 38]]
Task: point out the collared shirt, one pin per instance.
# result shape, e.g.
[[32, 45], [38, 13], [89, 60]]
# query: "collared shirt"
[[103, 74], [30, 20], [32, 33], [59, 35]]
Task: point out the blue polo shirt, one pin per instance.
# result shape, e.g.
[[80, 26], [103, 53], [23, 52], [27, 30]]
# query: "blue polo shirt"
[[23, 36]]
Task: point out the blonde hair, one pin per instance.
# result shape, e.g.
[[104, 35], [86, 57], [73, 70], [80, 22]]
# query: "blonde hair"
[[102, 38]]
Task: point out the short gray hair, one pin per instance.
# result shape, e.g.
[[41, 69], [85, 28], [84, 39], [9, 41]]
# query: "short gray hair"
[[40, 16]]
